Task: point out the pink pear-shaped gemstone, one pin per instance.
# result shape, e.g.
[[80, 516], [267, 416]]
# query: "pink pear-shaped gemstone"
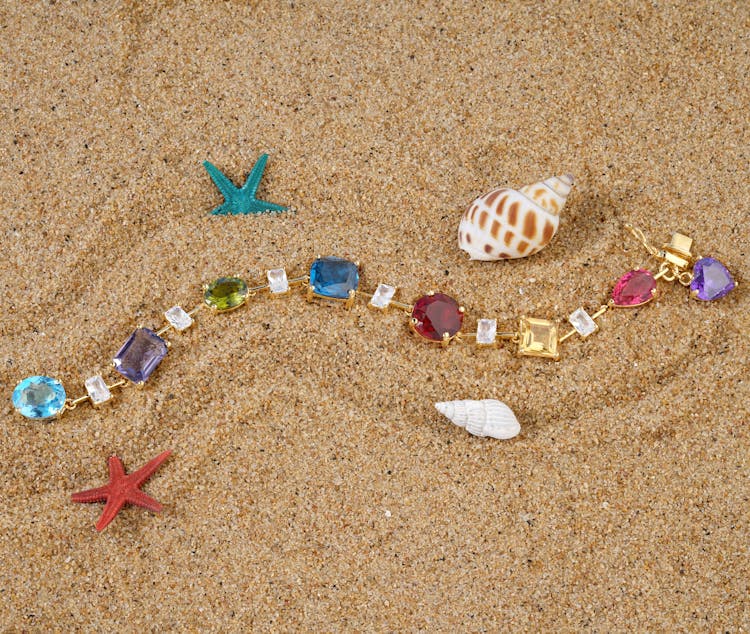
[[634, 288]]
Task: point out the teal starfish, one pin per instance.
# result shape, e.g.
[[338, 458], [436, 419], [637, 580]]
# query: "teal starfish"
[[241, 201]]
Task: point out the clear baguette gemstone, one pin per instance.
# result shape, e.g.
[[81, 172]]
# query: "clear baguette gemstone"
[[178, 318], [277, 281], [486, 330], [383, 296], [97, 389], [582, 322]]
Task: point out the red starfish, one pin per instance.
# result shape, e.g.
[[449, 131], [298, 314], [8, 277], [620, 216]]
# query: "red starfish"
[[123, 489]]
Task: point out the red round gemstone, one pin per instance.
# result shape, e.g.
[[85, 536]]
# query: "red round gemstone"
[[634, 288], [434, 315]]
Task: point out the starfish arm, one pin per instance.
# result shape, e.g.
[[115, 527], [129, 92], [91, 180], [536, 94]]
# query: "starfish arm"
[[222, 210], [91, 495], [139, 498], [253, 179], [264, 206], [257, 207], [116, 470], [137, 478], [226, 187], [111, 509]]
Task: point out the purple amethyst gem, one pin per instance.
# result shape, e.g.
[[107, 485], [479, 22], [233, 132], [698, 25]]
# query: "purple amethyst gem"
[[140, 354], [711, 280]]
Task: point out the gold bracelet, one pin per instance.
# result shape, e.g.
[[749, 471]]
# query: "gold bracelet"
[[434, 317]]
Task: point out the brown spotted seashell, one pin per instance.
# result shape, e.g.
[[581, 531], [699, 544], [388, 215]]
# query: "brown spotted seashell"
[[506, 223]]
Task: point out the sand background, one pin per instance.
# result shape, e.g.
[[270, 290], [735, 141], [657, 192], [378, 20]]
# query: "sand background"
[[313, 486]]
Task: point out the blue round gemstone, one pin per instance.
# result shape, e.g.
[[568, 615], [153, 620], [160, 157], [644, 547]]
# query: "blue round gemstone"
[[39, 397], [334, 277]]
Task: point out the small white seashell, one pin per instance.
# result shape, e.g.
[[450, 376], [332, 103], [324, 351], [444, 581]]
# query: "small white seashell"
[[506, 223], [482, 418]]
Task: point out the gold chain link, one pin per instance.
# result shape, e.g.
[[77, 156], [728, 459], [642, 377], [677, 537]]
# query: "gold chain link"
[[641, 237]]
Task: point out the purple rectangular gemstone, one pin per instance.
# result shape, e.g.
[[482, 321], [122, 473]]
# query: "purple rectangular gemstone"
[[140, 355]]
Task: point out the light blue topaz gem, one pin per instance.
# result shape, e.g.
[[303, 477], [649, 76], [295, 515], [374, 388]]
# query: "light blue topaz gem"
[[334, 277], [39, 397], [241, 200]]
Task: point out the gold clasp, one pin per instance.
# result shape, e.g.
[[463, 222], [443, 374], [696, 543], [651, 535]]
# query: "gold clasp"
[[641, 237], [677, 251], [675, 256]]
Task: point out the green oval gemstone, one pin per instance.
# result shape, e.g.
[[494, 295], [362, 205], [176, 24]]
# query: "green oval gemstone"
[[225, 293]]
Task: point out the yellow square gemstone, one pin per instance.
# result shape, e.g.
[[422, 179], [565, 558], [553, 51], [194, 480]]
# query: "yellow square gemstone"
[[538, 338]]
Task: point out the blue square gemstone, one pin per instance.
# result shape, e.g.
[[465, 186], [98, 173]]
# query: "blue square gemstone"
[[334, 277], [140, 355]]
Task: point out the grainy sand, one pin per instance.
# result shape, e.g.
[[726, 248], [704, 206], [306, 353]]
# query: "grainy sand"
[[313, 486]]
